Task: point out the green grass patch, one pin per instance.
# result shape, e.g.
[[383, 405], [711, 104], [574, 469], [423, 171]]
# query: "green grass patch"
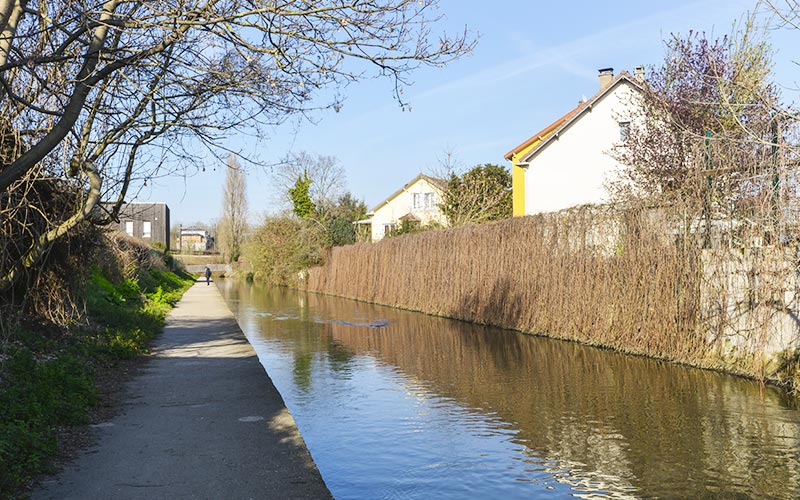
[[48, 380]]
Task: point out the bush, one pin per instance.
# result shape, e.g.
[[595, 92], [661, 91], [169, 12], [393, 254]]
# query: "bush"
[[129, 289], [282, 247]]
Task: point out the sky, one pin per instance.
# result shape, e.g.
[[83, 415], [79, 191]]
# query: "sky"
[[533, 62]]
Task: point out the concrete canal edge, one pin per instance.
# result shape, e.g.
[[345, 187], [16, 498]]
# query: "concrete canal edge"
[[201, 419]]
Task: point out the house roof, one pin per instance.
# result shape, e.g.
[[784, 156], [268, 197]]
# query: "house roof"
[[409, 217], [540, 139], [438, 183]]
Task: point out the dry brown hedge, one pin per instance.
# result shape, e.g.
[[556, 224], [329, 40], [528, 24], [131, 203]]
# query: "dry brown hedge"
[[625, 280]]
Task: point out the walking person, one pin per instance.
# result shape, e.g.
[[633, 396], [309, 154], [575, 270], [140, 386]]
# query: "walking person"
[[208, 276]]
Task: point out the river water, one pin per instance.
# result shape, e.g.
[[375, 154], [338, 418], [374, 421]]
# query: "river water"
[[395, 404]]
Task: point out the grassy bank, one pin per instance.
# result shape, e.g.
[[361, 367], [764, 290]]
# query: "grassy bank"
[[48, 374]]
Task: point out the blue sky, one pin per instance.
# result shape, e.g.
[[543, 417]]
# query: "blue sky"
[[533, 62]]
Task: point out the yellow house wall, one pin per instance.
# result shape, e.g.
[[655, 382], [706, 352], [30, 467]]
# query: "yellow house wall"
[[518, 180], [518, 190]]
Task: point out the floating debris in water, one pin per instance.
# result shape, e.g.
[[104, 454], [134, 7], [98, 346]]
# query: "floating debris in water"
[[252, 418], [377, 323]]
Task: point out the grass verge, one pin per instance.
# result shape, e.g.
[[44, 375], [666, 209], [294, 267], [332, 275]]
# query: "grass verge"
[[48, 378]]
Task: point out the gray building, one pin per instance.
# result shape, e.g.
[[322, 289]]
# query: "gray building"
[[148, 222]]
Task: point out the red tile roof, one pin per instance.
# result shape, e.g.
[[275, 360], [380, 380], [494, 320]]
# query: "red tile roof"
[[568, 118]]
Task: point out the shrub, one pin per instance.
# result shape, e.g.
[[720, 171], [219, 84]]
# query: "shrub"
[[283, 246]]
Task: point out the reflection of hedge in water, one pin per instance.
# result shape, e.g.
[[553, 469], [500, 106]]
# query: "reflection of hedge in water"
[[625, 281], [595, 410]]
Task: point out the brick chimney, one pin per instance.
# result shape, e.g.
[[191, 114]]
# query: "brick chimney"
[[606, 76], [638, 73]]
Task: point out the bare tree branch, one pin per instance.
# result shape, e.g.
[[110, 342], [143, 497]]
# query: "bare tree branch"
[[112, 82]]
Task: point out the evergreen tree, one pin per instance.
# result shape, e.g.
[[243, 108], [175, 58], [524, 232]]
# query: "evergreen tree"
[[482, 194], [303, 206]]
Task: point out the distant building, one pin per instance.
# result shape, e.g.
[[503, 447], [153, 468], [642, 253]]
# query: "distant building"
[[194, 240], [415, 203], [148, 222]]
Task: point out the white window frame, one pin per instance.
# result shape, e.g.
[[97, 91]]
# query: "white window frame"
[[624, 131], [147, 229], [430, 200], [416, 201], [129, 227]]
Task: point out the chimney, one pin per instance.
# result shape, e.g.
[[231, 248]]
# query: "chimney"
[[638, 73], [605, 75]]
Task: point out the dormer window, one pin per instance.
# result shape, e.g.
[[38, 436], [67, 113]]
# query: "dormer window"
[[624, 131]]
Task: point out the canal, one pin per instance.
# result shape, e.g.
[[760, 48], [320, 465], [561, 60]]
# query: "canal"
[[394, 404]]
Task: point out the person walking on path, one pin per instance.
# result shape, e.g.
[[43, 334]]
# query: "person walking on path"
[[208, 276]]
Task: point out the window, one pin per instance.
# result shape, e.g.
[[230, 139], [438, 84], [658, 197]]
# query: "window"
[[624, 131], [129, 227], [387, 228], [430, 201], [416, 203], [423, 201], [146, 229]]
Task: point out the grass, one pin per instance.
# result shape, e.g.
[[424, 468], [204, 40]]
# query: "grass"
[[47, 380]]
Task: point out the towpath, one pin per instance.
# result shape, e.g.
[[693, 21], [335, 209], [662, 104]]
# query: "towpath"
[[201, 420]]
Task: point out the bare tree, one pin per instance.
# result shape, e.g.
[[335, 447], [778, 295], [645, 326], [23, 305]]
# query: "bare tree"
[[448, 164], [327, 175], [703, 135], [233, 222], [100, 97], [750, 49]]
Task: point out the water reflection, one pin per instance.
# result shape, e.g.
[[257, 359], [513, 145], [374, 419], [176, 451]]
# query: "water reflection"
[[509, 415]]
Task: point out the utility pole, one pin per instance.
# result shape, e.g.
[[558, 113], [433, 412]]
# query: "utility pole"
[[707, 197], [775, 182]]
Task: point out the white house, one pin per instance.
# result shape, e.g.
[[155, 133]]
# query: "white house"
[[568, 162], [417, 202]]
